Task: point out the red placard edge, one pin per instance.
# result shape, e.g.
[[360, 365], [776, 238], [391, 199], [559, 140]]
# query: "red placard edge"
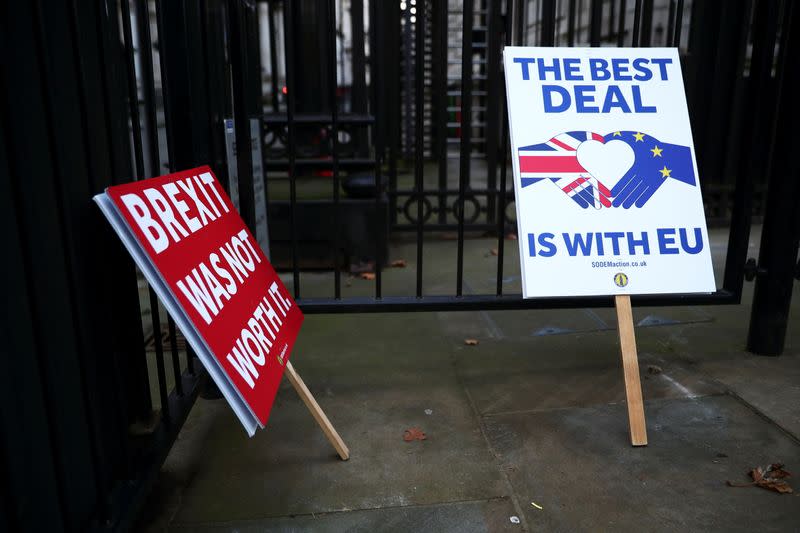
[[154, 278]]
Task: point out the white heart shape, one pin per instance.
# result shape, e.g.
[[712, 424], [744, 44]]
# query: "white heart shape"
[[607, 162]]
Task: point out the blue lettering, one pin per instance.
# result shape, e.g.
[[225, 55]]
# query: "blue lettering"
[[615, 236], [644, 73], [531, 245], [643, 242], [599, 69], [579, 242], [582, 99], [544, 69], [524, 62], [662, 66], [620, 67], [698, 241], [572, 69], [545, 241], [547, 95], [666, 237], [598, 239], [637, 102], [614, 98]]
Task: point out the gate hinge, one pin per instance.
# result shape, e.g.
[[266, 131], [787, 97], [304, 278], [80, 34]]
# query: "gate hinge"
[[751, 270]]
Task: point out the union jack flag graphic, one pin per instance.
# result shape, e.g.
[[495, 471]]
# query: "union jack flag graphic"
[[557, 161]]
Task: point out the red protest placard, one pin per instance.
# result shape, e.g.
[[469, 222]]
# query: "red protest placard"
[[210, 272]]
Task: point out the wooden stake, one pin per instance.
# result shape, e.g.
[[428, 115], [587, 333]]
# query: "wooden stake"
[[630, 366], [316, 411]]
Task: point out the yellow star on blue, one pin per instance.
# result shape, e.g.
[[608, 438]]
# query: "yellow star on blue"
[[657, 151], [665, 172], [639, 136]]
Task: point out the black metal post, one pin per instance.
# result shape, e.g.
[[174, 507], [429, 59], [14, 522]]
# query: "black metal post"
[[595, 22], [781, 231], [419, 122], [755, 130], [466, 137]]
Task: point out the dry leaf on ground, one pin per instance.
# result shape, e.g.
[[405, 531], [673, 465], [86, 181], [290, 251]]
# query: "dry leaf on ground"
[[770, 477], [493, 251], [367, 275], [399, 263], [471, 342], [413, 434], [654, 369], [511, 236]]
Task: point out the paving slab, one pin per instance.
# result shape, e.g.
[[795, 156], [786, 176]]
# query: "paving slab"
[[578, 465], [561, 371], [492, 516], [372, 389], [770, 384]]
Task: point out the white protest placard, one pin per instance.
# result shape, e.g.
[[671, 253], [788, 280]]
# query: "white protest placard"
[[607, 192]]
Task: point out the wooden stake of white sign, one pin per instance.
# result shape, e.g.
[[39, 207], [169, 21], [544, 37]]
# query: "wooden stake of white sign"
[[316, 411], [630, 366]]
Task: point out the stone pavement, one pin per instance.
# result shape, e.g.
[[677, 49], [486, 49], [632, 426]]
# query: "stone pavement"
[[534, 413]]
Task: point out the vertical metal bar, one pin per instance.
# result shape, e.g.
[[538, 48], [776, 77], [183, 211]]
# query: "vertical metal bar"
[[358, 71], [419, 122], [647, 23], [148, 83], [637, 16], [755, 130], [237, 46], [133, 100], [571, 23], [440, 52], [377, 86], [519, 20], [159, 347], [176, 362], [331, 30], [501, 210], [670, 23], [623, 8], [273, 55], [676, 39], [288, 35], [162, 383], [466, 136], [393, 107], [611, 16], [163, 50], [493, 95], [595, 22], [548, 35], [780, 236]]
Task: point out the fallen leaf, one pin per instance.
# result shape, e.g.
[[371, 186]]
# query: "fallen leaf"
[[362, 266], [770, 478], [654, 369], [413, 434], [367, 275], [471, 342], [399, 263], [493, 251], [511, 236]]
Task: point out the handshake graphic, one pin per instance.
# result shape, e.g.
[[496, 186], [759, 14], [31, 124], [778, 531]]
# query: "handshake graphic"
[[620, 169]]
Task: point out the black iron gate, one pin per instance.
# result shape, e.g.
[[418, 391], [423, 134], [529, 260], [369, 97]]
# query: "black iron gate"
[[378, 121]]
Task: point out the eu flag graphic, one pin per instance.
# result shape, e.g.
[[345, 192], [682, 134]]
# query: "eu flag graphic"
[[654, 163]]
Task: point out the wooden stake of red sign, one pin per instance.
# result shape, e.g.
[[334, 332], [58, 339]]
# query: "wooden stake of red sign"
[[630, 366], [316, 411]]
